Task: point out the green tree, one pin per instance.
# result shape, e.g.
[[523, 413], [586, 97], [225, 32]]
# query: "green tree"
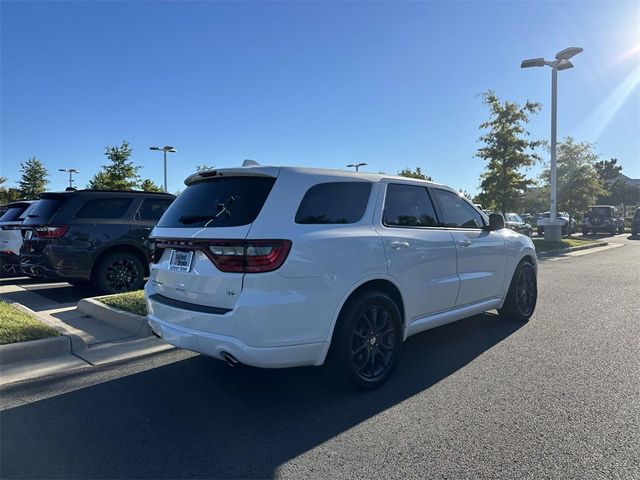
[[466, 194], [149, 186], [8, 195], [578, 185], [507, 150], [34, 178], [120, 174], [417, 173], [204, 167]]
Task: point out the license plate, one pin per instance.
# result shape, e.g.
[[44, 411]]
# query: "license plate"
[[180, 260], [28, 234]]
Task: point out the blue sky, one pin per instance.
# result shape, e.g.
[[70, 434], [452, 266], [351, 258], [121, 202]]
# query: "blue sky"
[[393, 84]]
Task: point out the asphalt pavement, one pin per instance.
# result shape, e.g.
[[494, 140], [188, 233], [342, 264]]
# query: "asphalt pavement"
[[558, 397]]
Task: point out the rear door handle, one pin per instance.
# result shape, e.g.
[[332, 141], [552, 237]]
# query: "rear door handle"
[[464, 243], [399, 245]]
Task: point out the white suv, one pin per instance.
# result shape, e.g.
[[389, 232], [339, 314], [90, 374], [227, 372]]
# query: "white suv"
[[282, 267]]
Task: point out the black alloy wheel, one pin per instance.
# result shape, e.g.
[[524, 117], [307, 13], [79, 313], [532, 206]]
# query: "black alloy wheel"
[[120, 272], [366, 342], [527, 291], [372, 342], [522, 296]]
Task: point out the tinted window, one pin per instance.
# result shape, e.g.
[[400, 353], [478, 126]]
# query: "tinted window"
[[457, 212], [104, 208], [408, 206], [219, 202], [601, 211], [152, 209], [337, 202], [12, 214], [44, 210]]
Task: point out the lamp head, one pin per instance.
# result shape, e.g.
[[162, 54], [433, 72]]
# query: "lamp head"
[[532, 62], [567, 53]]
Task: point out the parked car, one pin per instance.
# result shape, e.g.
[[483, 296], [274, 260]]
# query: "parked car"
[[282, 267], [635, 223], [92, 236], [10, 238], [602, 218], [516, 223], [545, 218]]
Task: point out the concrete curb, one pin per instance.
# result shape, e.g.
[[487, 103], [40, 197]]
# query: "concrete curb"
[[561, 251], [34, 350], [126, 321], [77, 342]]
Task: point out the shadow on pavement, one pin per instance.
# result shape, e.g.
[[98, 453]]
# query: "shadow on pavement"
[[198, 418]]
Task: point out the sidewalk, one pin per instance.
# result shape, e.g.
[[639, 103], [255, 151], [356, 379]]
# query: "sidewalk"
[[90, 342]]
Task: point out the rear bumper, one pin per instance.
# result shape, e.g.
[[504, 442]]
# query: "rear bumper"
[[217, 345], [52, 266]]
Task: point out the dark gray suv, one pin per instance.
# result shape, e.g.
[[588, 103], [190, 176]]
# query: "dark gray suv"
[[92, 236]]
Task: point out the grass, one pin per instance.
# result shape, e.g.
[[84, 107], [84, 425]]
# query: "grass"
[[129, 302], [545, 245], [18, 326]]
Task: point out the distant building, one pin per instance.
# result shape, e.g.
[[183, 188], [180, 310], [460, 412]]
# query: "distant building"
[[634, 182]]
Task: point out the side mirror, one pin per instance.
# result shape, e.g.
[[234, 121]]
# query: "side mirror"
[[496, 222]]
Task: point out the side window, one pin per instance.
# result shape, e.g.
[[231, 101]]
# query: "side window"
[[104, 208], [334, 202], [408, 206], [152, 209], [457, 212]]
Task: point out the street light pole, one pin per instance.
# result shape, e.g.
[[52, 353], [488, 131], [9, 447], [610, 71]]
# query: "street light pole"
[[356, 165], [561, 62], [71, 172], [165, 149], [554, 165]]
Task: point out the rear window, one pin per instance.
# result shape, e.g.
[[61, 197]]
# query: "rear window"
[[600, 211], [219, 202], [43, 211], [336, 202], [12, 214], [105, 208]]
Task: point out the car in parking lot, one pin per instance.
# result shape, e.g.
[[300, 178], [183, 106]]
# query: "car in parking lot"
[[602, 219], [568, 225], [516, 223], [10, 238], [283, 266], [92, 236]]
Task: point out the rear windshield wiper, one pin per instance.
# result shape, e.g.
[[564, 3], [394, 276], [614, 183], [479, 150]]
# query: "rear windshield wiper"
[[223, 208]]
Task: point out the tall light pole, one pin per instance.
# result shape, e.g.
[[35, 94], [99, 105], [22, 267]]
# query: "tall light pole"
[[165, 149], [356, 165], [561, 62], [71, 172]]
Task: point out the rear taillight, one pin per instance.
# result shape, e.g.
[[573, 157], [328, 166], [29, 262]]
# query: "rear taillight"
[[56, 231], [249, 256]]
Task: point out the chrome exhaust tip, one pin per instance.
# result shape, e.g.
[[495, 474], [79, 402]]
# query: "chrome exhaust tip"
[[229, 359]]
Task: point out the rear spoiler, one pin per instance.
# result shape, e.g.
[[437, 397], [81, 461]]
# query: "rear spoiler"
[[245, 171]]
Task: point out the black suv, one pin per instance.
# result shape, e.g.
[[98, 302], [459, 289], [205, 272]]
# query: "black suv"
[[602, 218], [98, 236]]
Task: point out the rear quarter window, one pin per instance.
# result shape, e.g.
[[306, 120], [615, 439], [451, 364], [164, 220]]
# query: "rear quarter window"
[[218, 202], [104, 208], [12, 214], [44, 210], [334, 202]]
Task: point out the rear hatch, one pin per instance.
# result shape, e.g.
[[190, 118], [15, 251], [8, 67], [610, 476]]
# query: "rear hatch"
[[200, 241], [39, 227]]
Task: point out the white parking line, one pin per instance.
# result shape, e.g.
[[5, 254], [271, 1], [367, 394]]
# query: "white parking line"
[[579, 253]]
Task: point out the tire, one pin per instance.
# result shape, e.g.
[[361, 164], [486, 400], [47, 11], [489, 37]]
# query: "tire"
[[119, 272], [585, 232], [366, 342], [522, 295], [612, 232], [540, 231]]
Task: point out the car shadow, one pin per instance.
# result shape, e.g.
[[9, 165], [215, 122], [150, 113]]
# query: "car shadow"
[[631, 237], [198, 418]]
